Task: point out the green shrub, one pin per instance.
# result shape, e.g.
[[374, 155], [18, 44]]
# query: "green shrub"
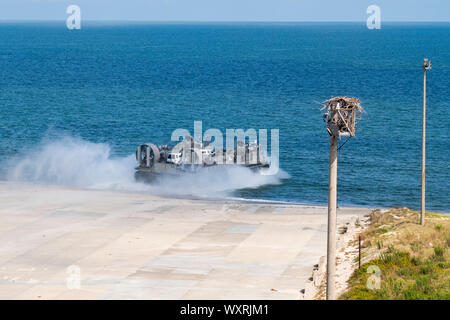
[[426, 269], [395, 286], [439, 251], [404, 277], [395, 258], [416, 261], [444, 265]]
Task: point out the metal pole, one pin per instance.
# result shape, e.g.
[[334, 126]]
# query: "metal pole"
[[332, 216], [424, 113], [359, 252]]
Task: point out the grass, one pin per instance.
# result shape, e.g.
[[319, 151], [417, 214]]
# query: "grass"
[[413, 260]]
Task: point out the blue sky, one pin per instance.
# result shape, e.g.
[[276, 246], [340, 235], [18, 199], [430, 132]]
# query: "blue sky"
[[227, 10]]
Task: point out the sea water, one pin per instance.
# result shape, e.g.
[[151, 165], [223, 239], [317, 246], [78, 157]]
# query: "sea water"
[[74, 104]]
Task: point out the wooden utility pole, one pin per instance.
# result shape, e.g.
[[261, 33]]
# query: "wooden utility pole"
[[341, 121], [332, 217], [426, 66]]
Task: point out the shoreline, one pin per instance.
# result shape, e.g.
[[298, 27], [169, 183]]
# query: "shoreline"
[[206, 199], [212, 200], [139, 246]]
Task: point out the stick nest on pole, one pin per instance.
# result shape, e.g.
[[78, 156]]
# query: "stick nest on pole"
[[341, 115]]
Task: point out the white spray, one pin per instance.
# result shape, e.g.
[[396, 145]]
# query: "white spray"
[[75, 162]]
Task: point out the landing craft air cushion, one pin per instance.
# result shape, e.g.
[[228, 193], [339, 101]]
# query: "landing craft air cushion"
[[190, 156]]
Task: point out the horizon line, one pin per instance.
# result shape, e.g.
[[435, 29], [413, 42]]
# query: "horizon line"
[[225, 21]]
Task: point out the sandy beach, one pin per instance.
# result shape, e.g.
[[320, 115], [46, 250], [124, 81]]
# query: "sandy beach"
[[66, 243]]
